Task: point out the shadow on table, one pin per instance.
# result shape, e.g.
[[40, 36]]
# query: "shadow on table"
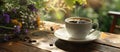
[[4, 50], [75, 46]]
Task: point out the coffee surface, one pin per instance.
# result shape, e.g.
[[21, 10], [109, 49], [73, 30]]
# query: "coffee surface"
[[79, 21]]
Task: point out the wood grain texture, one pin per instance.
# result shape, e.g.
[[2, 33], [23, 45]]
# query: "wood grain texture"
[[19, 47]]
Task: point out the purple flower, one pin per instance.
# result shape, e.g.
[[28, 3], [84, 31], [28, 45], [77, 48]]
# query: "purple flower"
[[6, 18], [32, 7], [17, 29]]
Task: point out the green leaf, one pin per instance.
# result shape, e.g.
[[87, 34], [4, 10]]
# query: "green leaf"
[[70, 3], [58, 14]]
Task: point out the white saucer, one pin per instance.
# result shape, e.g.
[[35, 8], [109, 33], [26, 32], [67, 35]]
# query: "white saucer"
[[63, 34]]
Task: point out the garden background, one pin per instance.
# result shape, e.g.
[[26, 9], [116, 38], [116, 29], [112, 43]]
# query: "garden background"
[[58, 10]]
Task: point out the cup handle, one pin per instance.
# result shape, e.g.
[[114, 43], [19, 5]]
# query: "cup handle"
[[97, 26]]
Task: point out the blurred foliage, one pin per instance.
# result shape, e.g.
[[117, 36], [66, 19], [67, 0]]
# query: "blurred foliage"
[[58, 10], [71, 3], [104, 19], [54, 10], [98, 12], [114, 5]]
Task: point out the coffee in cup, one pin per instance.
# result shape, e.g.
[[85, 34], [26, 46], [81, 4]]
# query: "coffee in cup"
[[78, 27]]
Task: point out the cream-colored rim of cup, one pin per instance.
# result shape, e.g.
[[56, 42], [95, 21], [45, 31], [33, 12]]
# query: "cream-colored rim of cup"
[[77, 18]]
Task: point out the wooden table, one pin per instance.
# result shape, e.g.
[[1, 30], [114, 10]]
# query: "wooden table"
[[47, 42]]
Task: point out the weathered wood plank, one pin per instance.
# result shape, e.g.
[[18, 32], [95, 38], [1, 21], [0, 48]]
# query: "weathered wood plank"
[[19, 47], [110, 39], [60, 45]]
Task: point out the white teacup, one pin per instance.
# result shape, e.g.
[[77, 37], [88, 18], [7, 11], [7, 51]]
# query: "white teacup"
[[79, 27]]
